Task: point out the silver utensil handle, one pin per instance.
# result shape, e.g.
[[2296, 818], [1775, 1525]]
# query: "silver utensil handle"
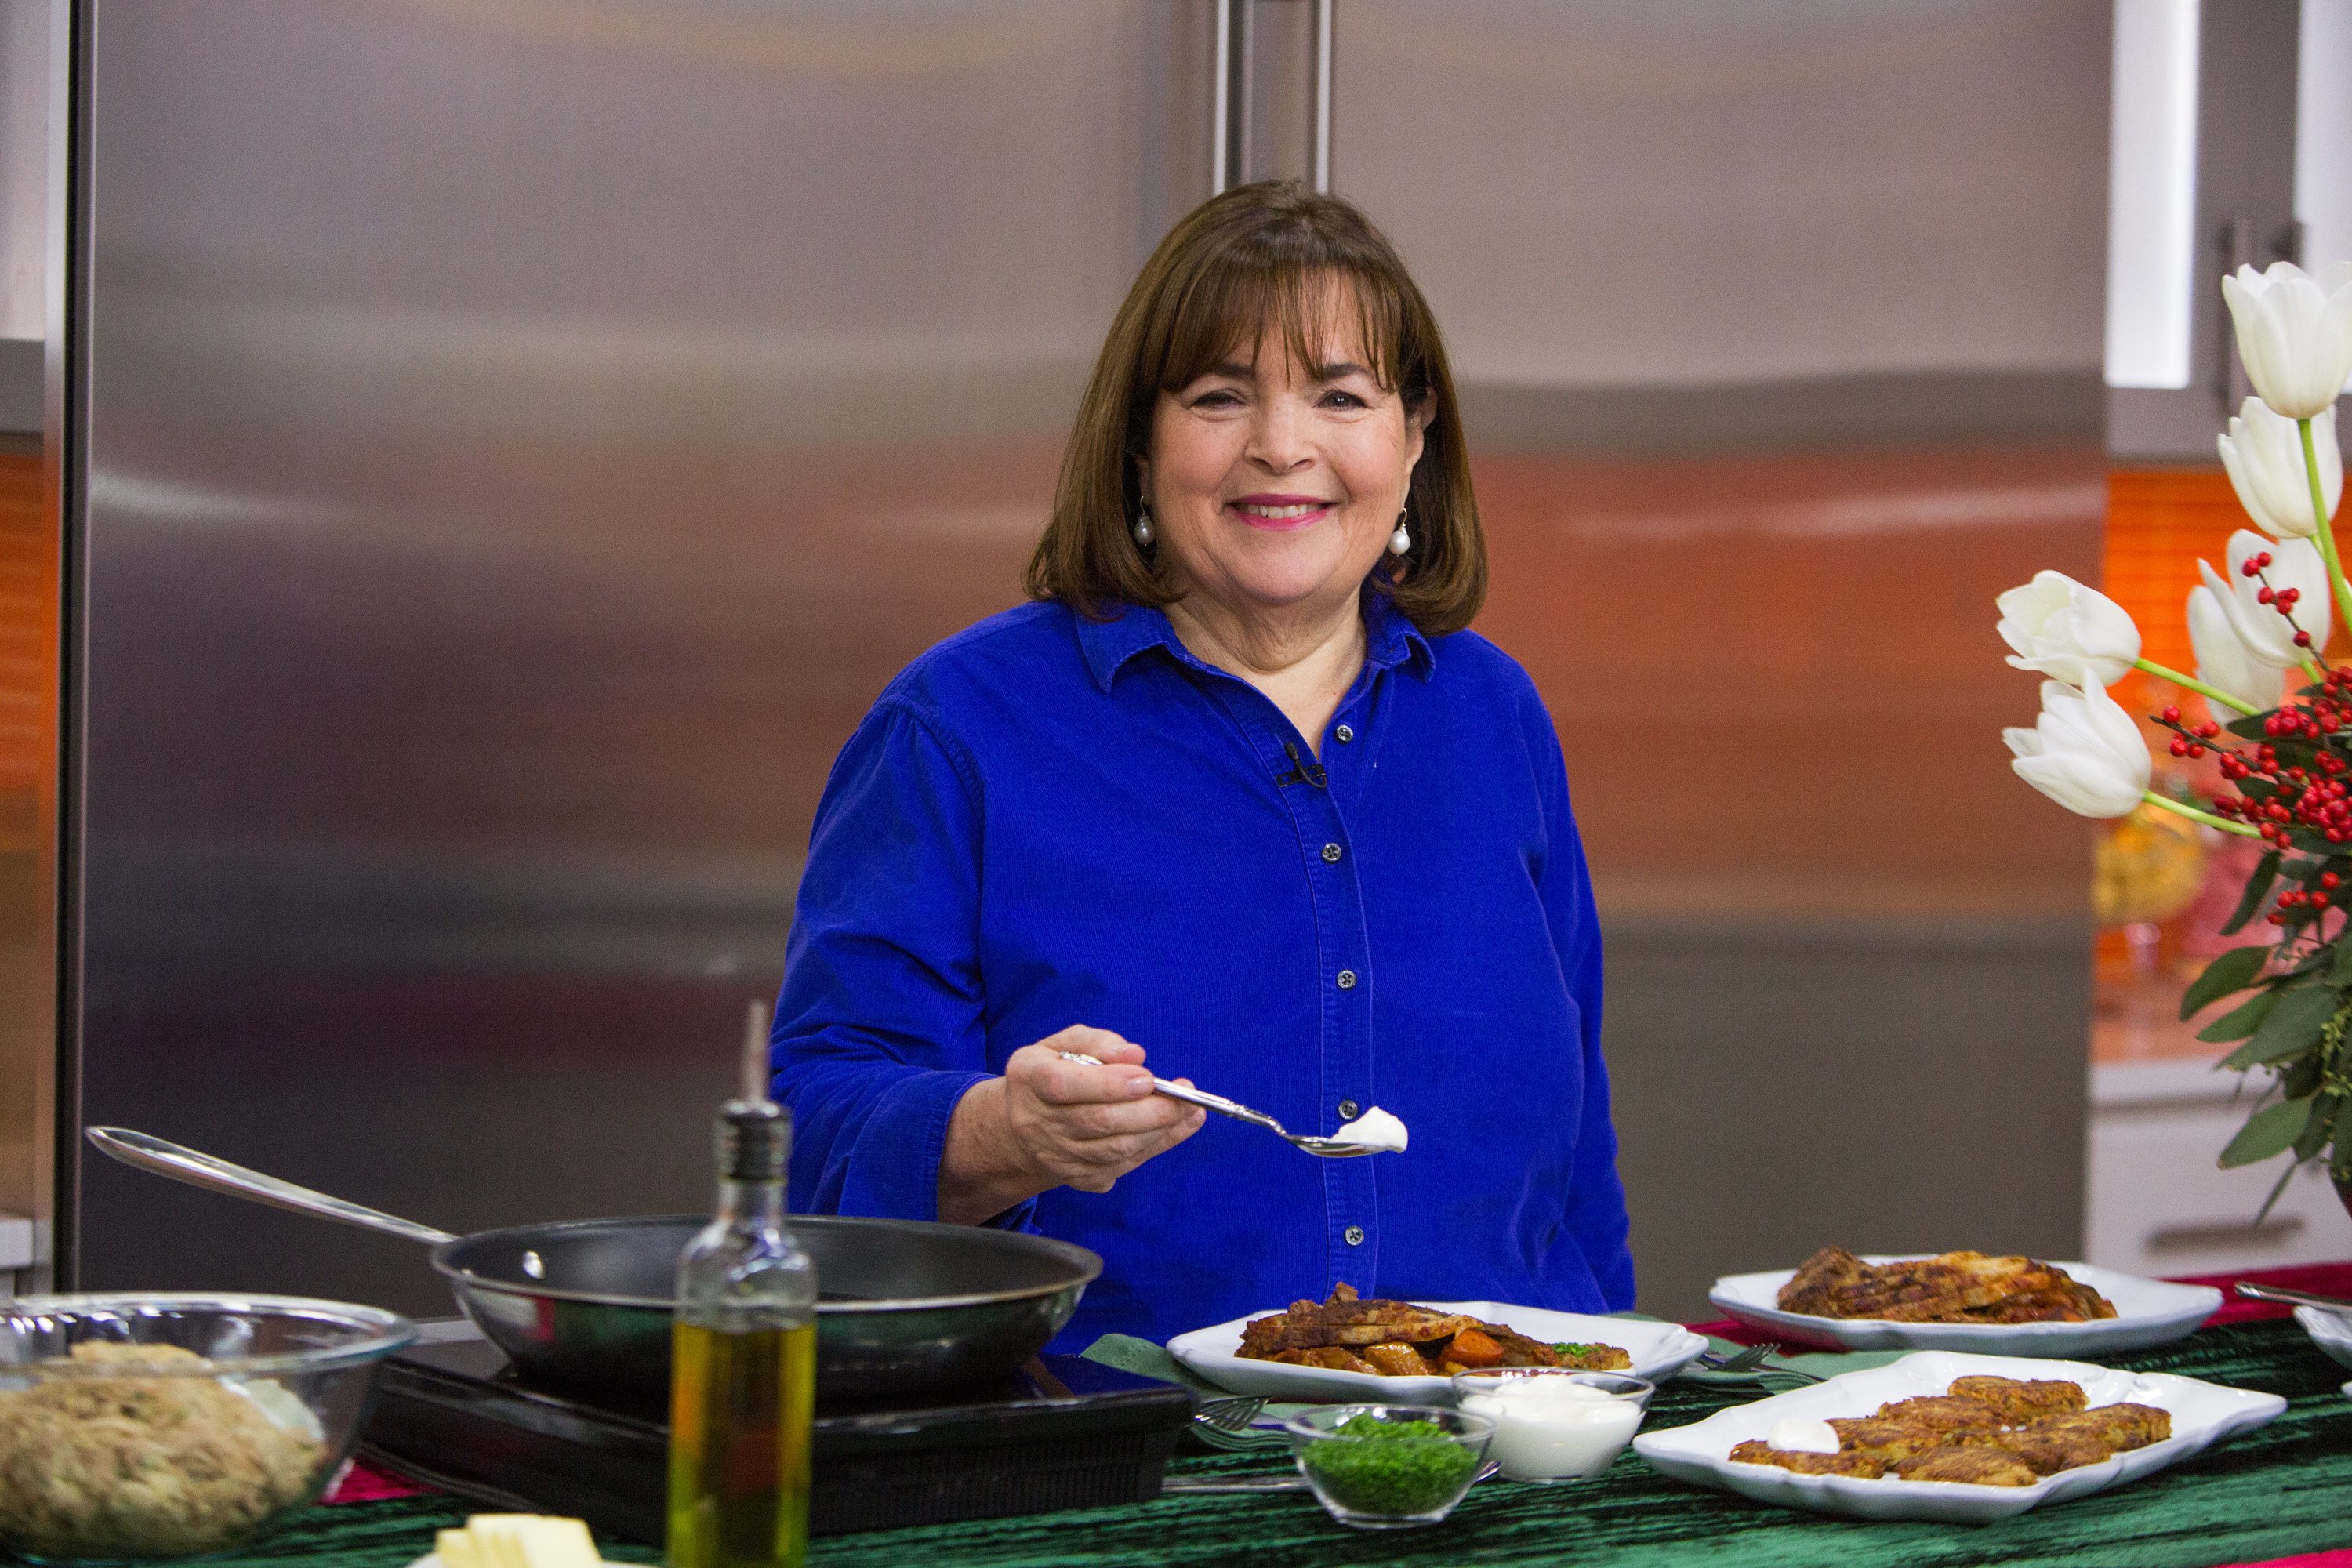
[[2253, 1293], [1200, 1097], [164, 1158]]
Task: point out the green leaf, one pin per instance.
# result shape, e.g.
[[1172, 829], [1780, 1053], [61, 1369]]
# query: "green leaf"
[[2267, 1131], [2302, 1077], [2258, 887], [2340, 973], [2239, 1021], [2291, 1026], [2234, 971], [2314, 1136], [2248, 728]]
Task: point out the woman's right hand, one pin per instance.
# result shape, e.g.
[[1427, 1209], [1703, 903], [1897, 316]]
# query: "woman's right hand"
[[1049, 1123]]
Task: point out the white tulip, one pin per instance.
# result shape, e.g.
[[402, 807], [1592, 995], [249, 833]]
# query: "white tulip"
[[2264, 452], [2295, 333], [2266, 634], [2223, 661], [2084, 753], [2068, 631]]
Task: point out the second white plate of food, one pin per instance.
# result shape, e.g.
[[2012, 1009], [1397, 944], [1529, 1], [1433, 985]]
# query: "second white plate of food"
[[2202, 1414], [2148, 1313], [1658, 1351]]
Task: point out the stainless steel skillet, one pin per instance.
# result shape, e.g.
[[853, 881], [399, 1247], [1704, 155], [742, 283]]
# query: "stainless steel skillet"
[[586, 1304]]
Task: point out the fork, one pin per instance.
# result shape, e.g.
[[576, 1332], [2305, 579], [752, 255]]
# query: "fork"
[[1750, 1363], [1330, 1148]]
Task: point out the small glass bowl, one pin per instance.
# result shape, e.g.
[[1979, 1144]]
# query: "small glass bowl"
[[1530, 1448], [1383, 1482], [125, 1457]]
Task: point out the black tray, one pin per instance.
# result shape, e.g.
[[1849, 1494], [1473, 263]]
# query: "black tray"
[[1066, 1433]]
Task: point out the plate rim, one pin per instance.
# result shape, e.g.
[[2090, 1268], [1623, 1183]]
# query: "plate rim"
[[1684, 1344], [2253, 1408], [2203, 1300]]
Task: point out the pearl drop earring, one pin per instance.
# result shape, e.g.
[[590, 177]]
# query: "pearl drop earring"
[[1143, 525], [1400, 540]]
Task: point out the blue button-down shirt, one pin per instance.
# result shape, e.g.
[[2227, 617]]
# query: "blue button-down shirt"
[[1047, 821]]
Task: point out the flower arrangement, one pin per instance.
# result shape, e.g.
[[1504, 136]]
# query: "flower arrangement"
[[2288, 755]]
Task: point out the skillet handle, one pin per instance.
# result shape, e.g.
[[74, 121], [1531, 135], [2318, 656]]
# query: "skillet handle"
[[162, 1158]]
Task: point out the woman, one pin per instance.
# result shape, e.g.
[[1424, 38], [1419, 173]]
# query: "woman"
[[1238, 788]]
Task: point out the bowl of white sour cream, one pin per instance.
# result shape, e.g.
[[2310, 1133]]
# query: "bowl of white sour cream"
[[1551, 1423]]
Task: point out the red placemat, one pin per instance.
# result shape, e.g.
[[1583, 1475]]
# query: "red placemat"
[[363, 1482]]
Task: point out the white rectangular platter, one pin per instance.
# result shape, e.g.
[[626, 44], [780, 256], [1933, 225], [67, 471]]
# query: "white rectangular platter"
[[2148, 1313], [2202, 1414], [1659, 1351]]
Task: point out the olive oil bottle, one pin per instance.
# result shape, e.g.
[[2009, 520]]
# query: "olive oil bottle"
[[743, 1383]]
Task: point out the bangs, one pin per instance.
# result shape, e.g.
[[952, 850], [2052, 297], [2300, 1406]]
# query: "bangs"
[[1310, 304]]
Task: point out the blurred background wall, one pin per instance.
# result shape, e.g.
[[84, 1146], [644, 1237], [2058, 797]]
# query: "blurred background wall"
[[510, 445]]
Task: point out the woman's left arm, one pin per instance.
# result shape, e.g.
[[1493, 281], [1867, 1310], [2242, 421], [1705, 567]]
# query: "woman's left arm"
[[1596, 1198]]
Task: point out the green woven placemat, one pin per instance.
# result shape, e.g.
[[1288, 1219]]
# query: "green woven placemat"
[[2264, 1494]]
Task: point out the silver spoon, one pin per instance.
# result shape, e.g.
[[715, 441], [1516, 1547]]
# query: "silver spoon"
[[1330, 1148], [2253, 1293]]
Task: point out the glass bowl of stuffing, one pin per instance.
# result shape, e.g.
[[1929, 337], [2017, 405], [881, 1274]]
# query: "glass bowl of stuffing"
[[1389, 1466], [144, 1426]]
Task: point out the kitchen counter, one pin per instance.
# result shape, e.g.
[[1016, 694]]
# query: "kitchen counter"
[[2262, 1495]]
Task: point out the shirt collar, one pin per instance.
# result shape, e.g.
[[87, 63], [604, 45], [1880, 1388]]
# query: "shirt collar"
[[1389, 639]]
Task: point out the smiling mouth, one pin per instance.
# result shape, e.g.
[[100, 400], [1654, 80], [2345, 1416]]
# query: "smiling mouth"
[[1280, 514]]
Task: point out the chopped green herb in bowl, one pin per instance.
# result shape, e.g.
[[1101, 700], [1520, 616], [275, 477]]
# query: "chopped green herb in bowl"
[[1385, 1466]]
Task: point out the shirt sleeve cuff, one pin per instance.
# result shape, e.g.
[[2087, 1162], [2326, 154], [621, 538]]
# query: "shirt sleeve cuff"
[[894, 1169]]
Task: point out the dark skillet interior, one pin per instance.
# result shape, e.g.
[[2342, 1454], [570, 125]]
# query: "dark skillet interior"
[[857, 1261]]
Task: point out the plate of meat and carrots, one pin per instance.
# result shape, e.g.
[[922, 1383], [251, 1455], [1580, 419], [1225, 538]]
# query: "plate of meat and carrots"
[[1405, 1351]]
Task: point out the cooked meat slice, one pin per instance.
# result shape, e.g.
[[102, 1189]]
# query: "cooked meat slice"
[[1944, 1413], [2060, 1301], [1393, 1360], [1521, 1350], [1333, 1356], [1972, 1464], [2047, 1450], [1957, 1287], [1598, 1358], [1809, 1290], [1883, 1442], [1754, 1452], [2119, 1427], [2020, 1400]]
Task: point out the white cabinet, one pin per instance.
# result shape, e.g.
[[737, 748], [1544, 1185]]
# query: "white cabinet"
[[2156, 1204]]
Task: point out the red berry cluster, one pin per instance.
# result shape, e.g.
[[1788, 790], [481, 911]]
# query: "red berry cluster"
[[2283, 600], [2302, 784]]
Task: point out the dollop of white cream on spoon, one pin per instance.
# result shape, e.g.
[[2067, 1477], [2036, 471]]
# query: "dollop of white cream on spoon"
[[1375, 1129]]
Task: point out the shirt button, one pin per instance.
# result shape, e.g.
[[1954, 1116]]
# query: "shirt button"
[[1347, 980], [1331, 854], [1345, 734], [1348, 1109], [1355, 1236]]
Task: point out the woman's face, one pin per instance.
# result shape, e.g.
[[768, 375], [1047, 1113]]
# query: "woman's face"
[[1273, 486]]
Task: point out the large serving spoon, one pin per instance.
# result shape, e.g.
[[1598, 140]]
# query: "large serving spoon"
[[1330, 1148]]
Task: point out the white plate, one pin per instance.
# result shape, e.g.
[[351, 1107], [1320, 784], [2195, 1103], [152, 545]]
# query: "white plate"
[[1659, 1351], [2148, 1313], [2331, 1332], [2202, 1414]]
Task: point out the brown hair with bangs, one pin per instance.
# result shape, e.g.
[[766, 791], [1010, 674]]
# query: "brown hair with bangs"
[[1241, 266]]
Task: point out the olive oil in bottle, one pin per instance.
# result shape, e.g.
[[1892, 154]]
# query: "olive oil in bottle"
[[743, 1383]]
